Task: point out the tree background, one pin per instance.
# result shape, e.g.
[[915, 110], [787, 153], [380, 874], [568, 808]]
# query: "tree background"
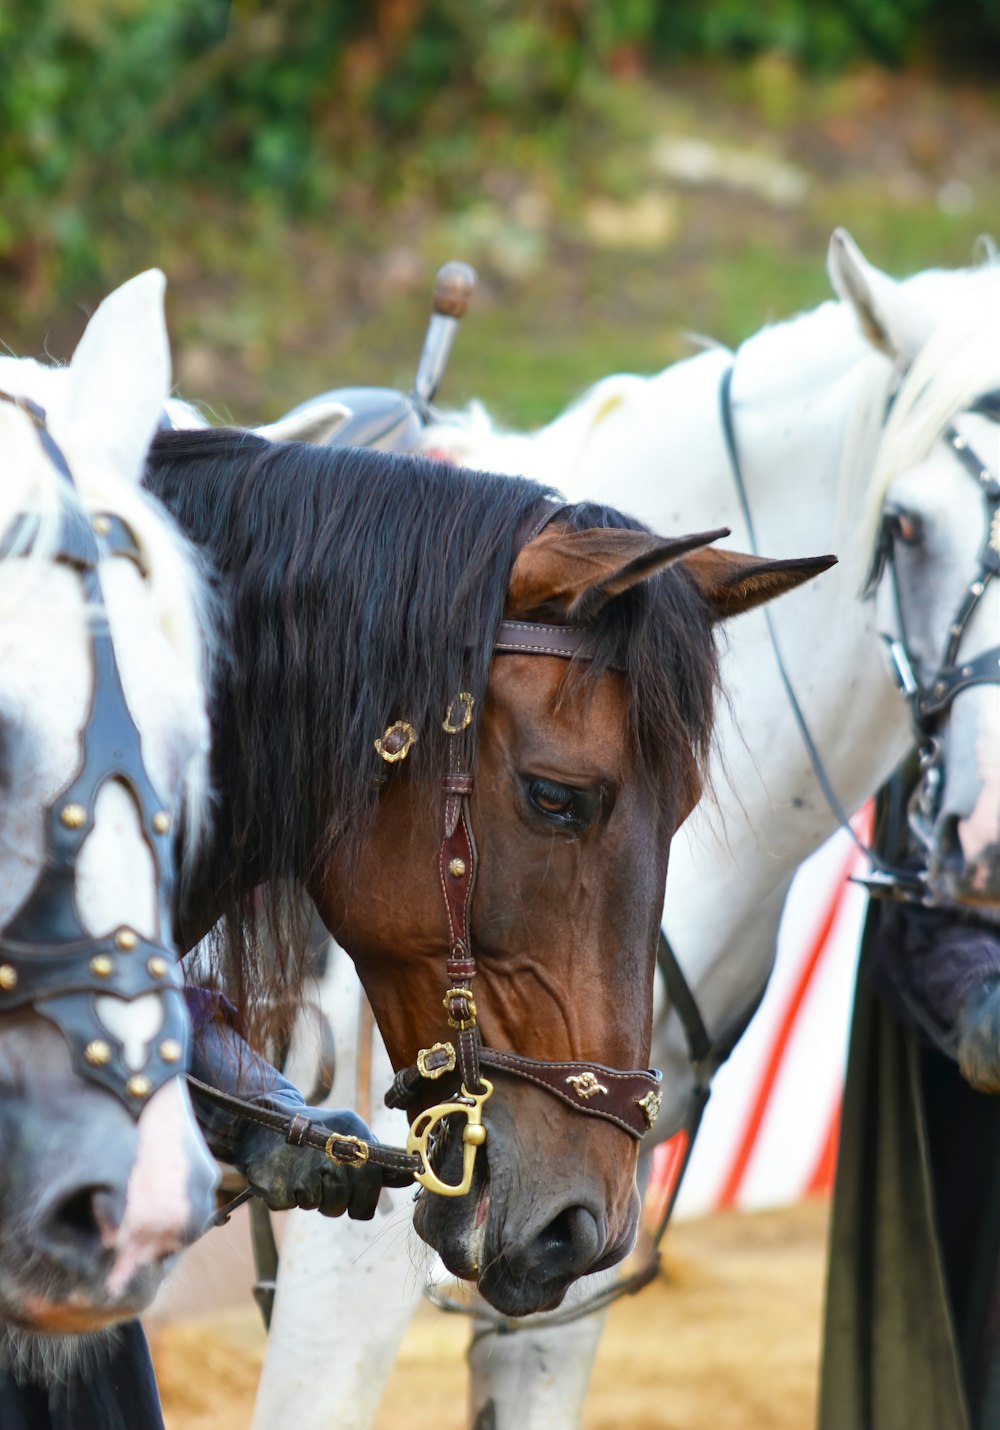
[[620, 172]]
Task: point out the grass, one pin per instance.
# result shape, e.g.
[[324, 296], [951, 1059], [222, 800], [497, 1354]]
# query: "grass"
[[592, 259]]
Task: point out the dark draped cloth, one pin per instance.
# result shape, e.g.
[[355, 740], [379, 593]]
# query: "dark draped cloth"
[[912, 1332], [116, 1391]]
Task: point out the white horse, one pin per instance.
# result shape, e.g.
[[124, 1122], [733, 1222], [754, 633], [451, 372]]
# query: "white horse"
[[104, 1176], [838, 417]]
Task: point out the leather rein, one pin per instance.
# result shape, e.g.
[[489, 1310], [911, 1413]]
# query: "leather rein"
[[629, 1099], [49, 961]]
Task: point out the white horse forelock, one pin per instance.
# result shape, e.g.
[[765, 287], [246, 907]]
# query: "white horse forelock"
[[175, 581], [959, 362]]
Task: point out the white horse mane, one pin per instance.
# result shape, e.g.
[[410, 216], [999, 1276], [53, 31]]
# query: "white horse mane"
[[31, 484], [958, 362]]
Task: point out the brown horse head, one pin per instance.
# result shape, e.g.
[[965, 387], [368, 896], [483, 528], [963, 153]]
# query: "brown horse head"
[[364, 593], [583, 773]]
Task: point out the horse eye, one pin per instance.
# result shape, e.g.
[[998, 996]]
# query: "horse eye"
[[553, 799], [904, 526]]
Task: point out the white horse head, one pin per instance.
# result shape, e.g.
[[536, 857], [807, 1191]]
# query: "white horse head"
[[95, 1194], [935, 497]]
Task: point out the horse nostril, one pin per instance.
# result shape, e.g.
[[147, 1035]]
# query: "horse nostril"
[[84, 1220], [570, 1243]]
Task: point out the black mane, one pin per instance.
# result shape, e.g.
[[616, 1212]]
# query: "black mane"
[[361, 588]]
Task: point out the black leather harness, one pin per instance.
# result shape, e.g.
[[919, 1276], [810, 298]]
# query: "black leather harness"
[[49, 961]]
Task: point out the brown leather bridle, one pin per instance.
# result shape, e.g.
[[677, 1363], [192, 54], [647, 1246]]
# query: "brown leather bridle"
[[629, 1099]]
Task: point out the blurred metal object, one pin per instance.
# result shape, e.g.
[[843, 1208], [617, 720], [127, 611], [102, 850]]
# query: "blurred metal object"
[[382, 417], [453, 291]]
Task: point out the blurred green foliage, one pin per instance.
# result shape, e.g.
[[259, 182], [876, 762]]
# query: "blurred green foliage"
[[110, 108], [825, 35]]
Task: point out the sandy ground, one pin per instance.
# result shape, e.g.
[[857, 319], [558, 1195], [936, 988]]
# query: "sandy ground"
[[727, 1339]]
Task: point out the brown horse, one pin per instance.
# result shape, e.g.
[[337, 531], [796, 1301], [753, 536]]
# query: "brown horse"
[[363, 594]]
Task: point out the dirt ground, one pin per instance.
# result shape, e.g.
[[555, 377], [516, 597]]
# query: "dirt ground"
[[727, 1338]]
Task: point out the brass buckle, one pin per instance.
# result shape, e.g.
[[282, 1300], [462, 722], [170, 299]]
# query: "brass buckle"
[[446, 1067], [467, 702], [397, 742], [361, 1150], [470, 1105], [462, 1024]]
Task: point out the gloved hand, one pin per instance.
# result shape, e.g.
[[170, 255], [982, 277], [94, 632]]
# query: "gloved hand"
[[285, 1176], [282, 1175], [978, 1029]]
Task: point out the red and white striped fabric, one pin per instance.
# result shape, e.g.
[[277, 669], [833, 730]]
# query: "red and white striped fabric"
[[769, 1134]]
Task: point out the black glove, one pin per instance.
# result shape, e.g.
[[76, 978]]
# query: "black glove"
[[978, 1028], [282, 1175]]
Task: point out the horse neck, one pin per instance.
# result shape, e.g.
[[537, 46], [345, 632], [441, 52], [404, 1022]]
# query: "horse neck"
[[808, 404], [808, 434]]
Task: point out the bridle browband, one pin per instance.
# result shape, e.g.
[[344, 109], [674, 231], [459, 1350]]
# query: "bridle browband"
[[628, 1099], [49, 961]]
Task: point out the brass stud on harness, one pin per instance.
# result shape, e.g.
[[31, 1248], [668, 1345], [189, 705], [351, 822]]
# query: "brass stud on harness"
[[102, 525], [171, 1050], [397, 742], [162, 821], [73, 816], [98, 1053], [8, 976], [102, 966], [452, 996], [586, 1085], [436, 1068], [157, 966], [346, 1150], [138, 1086], [456, 868], [650, 1105], [449, 724], [126, 940]]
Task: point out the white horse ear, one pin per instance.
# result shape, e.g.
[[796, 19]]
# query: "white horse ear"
[[120, 377], [316, 424], [888, 317]]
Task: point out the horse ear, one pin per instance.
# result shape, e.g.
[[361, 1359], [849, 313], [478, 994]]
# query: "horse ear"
[[732, 583], [575, 573], [120, 376], [888, 317], [316, 425]]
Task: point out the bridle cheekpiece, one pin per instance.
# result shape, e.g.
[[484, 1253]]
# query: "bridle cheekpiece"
[[49, 960]]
